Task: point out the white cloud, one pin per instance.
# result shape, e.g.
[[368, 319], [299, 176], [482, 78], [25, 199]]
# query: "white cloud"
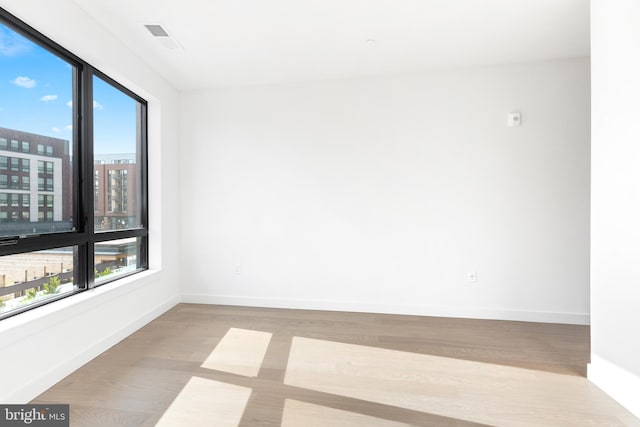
[[47, 98], [23, 81], [68, 127], [70, 104], [55, 129]]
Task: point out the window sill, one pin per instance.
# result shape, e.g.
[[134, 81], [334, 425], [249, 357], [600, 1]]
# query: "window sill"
[[35, 321]]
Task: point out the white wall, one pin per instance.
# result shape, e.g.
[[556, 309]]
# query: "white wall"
[[40, 347], [615, 207], [380, 194]]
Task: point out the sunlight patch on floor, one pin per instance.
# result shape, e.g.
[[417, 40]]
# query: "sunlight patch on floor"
[[462, 389], [204, 402], [241, 352]]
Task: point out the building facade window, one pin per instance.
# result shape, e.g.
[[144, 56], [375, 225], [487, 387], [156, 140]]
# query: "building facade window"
[[15, 182], [57, 231]]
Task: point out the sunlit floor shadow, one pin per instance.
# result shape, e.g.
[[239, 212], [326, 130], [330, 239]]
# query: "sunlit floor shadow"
[[466, 390], [297, 414], [241, 352], [204, 402]]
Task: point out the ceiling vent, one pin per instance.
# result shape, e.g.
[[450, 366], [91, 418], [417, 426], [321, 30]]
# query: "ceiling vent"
[[157, 30], [162, 35]]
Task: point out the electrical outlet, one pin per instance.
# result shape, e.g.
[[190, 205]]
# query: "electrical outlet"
[[472, 276]]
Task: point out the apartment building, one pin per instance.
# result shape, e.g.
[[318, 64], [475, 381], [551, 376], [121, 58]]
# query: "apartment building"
[[35, 182], [115, 191]]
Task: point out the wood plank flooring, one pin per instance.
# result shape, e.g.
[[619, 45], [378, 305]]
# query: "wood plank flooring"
[[338, 369]]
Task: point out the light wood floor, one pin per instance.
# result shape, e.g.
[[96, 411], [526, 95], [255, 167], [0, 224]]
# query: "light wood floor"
[[200, 365]]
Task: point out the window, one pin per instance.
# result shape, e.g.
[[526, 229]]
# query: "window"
[[122, 202], [45, 207], [90, 120]]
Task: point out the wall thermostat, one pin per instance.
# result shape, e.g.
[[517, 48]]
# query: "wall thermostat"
[[514, 119]]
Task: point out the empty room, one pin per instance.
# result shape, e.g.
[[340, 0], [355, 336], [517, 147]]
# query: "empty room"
[[319, 213]]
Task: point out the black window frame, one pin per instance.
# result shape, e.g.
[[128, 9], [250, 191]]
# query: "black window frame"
[[83, 236]]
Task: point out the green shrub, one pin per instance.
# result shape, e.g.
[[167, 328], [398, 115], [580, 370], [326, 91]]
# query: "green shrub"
[[52, 286], [31, 294]]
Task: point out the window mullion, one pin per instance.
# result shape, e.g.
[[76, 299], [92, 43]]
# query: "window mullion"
[[86, 145]]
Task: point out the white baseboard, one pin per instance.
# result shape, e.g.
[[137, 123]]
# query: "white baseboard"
[[36, 386], [373, 307], [621, 385]]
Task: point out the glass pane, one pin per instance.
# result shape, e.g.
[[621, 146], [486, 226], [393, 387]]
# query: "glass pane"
[[116, 258], [31, 278], [36, 115], [116, 127]]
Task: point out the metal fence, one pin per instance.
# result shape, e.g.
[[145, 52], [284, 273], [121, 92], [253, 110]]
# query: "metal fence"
[[64, 277]]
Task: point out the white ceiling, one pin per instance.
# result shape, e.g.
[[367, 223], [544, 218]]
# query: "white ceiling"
[[246, 42]]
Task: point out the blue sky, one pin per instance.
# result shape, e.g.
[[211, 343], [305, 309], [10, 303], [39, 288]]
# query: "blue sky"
[[35, 96]]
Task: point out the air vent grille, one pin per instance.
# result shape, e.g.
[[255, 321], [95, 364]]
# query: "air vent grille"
[[157, 30]]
